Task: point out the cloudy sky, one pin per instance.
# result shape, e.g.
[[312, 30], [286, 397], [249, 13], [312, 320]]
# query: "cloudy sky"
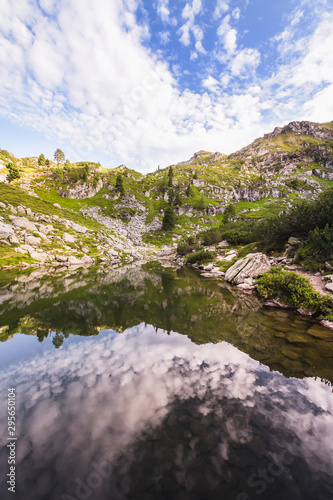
[[148, 83]]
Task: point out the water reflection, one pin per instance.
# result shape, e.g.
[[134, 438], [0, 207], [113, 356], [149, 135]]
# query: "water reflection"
[[83, 304], [145, 414]]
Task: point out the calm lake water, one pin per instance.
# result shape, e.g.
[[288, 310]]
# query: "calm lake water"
[[156, 384]]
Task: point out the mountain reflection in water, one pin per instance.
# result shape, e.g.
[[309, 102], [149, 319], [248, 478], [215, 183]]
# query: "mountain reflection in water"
[[206, 311], [154, 414]]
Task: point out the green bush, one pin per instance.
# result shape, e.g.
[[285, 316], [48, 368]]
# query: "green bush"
[[288, 286], [200, 257], [317, 249], [293, 289], [187, 246], [210, 236]]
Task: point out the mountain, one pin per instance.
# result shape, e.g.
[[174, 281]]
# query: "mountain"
[[73, 213]]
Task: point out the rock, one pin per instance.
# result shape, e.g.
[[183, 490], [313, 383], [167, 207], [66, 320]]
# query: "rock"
[[87, 260], [56, 205], [13, 239], [28, 212], [68, 238], [32, 240], [209, 267], [327, 324], [40, 256], [61, 258], [329, 287], [2, 205], [306, 312], [45, 229], [251, 266], [5, 230], [24, 223], [73, 261], [275, 303], [245, 286], [293, 241], [223, 244]]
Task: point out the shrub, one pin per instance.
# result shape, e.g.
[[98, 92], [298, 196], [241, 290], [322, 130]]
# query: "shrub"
[[200, 257], [187, 246], [288, 286], [317, 249], [293, 289]]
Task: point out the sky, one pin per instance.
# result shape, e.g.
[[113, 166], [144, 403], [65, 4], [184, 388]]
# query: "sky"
[[148, 83]]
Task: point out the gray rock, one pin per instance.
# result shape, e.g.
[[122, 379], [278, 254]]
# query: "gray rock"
[[13, 239], [5, 230], [24, 223], [56, 205], [32, 240], [68, 238], [293, 241], [2, 205], [251, 266], [61, 258]]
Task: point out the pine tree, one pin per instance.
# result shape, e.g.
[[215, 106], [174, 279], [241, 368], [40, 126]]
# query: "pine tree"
[[13, 172], [41, 160], [119, 184], [169, 219], [229, 213], [170, 176]]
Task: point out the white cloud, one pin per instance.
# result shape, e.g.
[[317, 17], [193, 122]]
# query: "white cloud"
[[246, 60], [236, 13], [189, 12], [228, 35], [210, 83], [84, 75], [163, 10], [320, 106], [220, 9]]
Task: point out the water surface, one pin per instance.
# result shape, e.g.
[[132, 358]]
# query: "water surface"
[[148, 384]]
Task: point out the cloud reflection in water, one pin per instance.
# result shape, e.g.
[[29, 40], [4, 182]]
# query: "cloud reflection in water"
[[173, 417]]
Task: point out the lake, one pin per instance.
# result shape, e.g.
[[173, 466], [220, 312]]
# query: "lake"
[[155, 383]]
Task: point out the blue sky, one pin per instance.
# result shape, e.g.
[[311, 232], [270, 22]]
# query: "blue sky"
[[149, 83]]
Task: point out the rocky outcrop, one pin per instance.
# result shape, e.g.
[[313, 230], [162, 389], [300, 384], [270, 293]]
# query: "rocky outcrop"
[[251, 266], [80, 191]]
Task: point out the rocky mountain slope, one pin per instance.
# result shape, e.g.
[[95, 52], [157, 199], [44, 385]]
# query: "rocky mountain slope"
[[73, 214]]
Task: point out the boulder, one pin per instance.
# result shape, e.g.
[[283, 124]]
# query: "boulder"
[[5, 230], [293, 241], [68, 238], [13, 239], [32, 240], [24, 223], [61, 258], [40, 256], [251, 266]]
